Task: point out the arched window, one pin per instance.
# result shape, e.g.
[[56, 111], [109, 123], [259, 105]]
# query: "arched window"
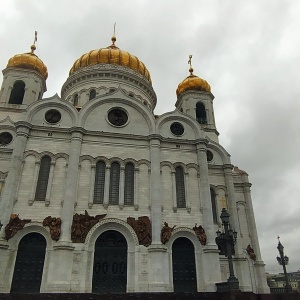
[[17, 93], [129, 184], [213, 205], [92, 94], [99, 182], [201, 113], [75, 100], [114, 183], [180, 188], [42, 183]]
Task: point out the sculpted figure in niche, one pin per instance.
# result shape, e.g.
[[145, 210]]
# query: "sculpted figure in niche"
[[142, 228], [251, 253], [166, 233], [54, 225], [200, 233], [81, 226], [14, 225]]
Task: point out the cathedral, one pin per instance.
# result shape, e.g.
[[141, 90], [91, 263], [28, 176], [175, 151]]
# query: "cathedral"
[[100, 195]]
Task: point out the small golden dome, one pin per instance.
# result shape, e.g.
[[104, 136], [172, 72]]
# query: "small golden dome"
[[193, 82], [28, 61], [111, 55]]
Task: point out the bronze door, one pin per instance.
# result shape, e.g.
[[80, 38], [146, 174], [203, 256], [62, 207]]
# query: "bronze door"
[[29, 264], [110, 263], [184, 268]]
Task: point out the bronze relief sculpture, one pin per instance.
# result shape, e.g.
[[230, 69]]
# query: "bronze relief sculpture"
[[54, 225], [81, 226], [142, 228], [200, 233], [166, 233], [14, 225], [251, 253]]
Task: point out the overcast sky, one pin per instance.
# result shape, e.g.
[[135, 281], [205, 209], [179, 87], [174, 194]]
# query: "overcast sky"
[[248, 51]]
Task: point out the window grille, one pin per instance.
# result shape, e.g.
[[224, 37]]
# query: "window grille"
[[213, 205], [17, 93], [99, 183], [180, 188], [42, 183], [129, 184], [114, 184], [92, 94]]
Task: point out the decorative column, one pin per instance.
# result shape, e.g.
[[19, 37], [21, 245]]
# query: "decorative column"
[[186, 191], [211, 263], [122, 185], [34, 183], [174, 191], [239, 261], [158, 257], [92, 186], [14, 174], [106, 187], [259, 265], [136, 188], [70, 194], [59, 273], [49, 186]]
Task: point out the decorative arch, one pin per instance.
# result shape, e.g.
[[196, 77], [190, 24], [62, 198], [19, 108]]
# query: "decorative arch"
[[112, 224], [91, 105]]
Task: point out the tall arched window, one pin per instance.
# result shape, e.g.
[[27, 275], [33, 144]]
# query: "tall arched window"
[[114, 183], [17, 93], [214, 205], [75, 100], [180, 188], [99, 182], [42, 183], [129, 184], [92, 94], [201, 113]]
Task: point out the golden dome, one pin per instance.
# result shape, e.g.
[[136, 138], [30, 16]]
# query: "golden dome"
[[193, 82], [111, 55], [28, 61]]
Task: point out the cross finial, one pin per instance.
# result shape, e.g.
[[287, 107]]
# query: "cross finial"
[[33, 47], [190, 63], [278, 238], [113, 39]]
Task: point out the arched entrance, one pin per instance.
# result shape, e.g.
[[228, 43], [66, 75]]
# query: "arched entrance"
[[29, 264], [184, 268], [110, 263]]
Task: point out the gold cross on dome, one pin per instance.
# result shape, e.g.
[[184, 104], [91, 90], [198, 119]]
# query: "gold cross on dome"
[[190, 60]]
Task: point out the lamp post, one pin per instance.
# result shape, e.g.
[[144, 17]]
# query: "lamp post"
[[283, 261], [225, 241]]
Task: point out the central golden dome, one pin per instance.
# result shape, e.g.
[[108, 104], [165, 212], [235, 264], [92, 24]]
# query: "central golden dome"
[[111, 55]]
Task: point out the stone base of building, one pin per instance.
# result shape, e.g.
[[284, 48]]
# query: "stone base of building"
[[152, 296]]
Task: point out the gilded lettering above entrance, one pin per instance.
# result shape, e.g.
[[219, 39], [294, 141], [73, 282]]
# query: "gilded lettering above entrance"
[[54, 225], [200, 233], [14, 225], [142, 228], [82, 224]]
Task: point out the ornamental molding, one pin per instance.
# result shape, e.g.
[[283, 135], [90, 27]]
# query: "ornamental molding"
[[115, 224]]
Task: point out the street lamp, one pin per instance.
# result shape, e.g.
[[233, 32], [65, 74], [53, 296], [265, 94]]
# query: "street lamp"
[[283, 261], [225, 241]]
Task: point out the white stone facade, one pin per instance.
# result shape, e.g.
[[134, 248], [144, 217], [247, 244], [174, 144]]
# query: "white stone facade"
[[84, 136]]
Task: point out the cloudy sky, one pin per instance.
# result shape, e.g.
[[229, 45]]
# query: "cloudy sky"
[[248, 51]]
